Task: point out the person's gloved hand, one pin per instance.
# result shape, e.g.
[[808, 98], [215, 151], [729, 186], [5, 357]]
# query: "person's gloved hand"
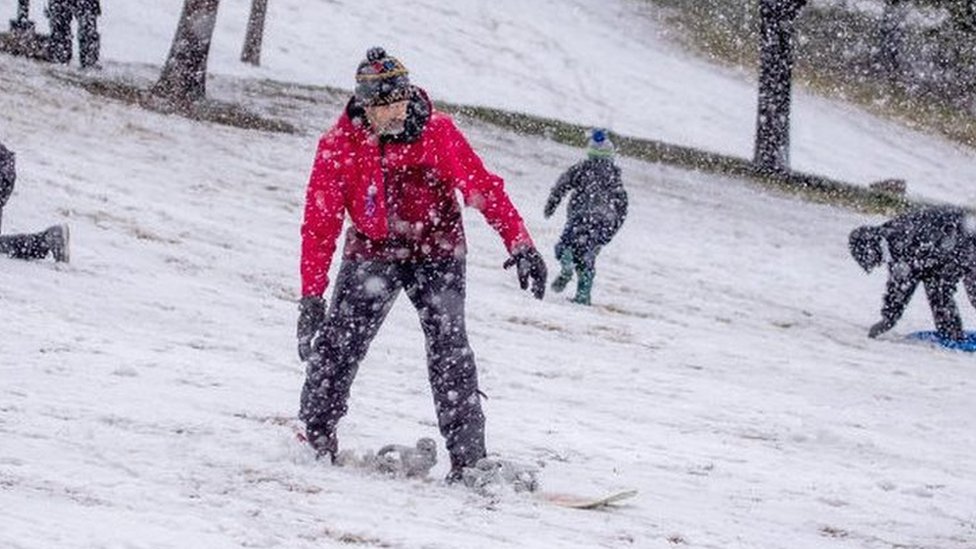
[[311, 316], [550, 209], [878, 329], [529, 266]]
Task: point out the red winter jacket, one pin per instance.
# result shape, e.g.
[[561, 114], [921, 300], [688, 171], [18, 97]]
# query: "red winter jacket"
[[399, 194]]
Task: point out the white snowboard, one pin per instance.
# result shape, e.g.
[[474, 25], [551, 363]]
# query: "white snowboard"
[[574, 501]]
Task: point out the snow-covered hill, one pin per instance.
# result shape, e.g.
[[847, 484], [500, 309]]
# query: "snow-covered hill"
[[724, 372], [594, 62]]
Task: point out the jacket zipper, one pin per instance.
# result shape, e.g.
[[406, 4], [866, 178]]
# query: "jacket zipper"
[[372, 192]]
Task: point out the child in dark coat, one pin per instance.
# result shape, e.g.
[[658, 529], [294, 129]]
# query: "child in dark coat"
[[597, 208], [934, 246]]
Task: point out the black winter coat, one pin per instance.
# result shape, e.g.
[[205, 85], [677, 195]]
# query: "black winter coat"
[[932, 239], [934, 246], [598, 201], [7, 174]]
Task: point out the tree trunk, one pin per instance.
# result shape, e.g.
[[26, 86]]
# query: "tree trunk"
[[960, 55], [184, 76], [963, 15], [255, 32], [891, 38], [777, 18]]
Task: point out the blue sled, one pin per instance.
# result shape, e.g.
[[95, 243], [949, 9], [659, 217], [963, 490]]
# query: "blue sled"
[[967, 344]]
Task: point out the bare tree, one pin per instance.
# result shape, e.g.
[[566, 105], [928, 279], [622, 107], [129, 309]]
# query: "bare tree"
[[184, 76], [892, 36], [776, 56], [255, 32]]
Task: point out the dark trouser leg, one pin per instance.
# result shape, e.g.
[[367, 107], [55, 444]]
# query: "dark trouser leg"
[[363, 295], [564, 254], [585, 250], [60, 42], [944, 310], [437, 290], [89, 40], [24, 246]]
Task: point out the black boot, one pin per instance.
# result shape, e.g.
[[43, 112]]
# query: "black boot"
[[58, 240], [325, 444]]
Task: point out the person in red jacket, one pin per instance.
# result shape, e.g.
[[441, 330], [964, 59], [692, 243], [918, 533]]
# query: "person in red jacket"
[[394, 164]]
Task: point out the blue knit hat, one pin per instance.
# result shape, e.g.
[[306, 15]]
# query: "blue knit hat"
[[599, 144]]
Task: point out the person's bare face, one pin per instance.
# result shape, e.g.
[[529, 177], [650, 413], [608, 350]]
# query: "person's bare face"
[[387, 119]]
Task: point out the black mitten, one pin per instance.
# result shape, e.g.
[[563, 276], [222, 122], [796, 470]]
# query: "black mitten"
[[879, 328], [311, 316], [529, 266], [550, 208]]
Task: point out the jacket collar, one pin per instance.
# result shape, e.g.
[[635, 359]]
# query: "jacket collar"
[[418, 114]]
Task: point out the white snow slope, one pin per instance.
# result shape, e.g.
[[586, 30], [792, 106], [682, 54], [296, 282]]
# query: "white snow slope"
[[593, 62], [724, 371]]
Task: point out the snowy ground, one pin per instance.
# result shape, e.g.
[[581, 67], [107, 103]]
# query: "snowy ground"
[[724, 372], [593, 62]]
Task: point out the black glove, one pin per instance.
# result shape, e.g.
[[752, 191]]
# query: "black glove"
[[550, 209], [311, 316], [529, 264], [879, 328]]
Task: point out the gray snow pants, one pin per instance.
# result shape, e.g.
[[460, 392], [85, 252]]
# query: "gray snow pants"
[[89, 41], [25, 246], [363, 295]]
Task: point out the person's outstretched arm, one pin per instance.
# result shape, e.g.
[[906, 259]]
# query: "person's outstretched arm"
[[563, 185], [901, 285], [8, 174], [485, 191], [619, 200], [324, 214], [481, 189]]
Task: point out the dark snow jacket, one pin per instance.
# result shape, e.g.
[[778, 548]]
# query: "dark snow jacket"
[[934, 246], [8, 175], [597, 201]]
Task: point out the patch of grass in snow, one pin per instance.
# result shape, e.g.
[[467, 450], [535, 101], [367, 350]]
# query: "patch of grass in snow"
[[206, 110], [807, 186]]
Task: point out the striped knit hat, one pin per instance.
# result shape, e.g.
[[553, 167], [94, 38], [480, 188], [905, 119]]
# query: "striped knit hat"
[[381, 79]]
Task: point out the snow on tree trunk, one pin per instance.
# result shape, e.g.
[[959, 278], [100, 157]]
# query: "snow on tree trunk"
[[184, 76], [255, 32], [777, 18], [22, 22]]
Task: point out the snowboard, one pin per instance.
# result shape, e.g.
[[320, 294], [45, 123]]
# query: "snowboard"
[[573, 501], [967, 344], [559, 499]]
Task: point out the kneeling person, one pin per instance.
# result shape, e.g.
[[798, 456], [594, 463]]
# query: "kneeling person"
[[933, 246]]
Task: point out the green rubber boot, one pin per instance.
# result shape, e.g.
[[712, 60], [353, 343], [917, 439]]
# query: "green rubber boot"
[[566, 274], [584, 285]]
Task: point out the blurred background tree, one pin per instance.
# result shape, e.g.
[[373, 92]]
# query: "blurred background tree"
[[183, 79]]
